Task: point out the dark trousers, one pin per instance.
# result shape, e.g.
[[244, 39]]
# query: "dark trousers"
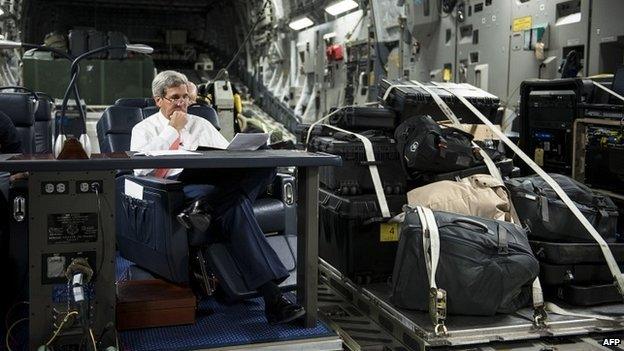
[[231, 193]]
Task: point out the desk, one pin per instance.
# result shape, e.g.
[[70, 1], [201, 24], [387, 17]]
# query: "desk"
[[104, 164]]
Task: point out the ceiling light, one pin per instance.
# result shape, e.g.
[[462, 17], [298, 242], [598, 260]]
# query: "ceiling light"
[[341, 6], [300, 23]]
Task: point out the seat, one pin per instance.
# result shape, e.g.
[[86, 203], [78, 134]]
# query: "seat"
[[44, 128], [20, 107], [148, 107], [148, 232], [135, 102]]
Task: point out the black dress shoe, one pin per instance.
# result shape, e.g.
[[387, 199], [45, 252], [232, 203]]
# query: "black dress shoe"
[[283, 311]]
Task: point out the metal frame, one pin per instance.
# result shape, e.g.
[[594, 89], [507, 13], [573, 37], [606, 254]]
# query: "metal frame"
[[421, 336], [579, 148]]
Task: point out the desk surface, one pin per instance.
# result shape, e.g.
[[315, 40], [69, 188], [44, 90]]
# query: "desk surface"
[[207, 159]]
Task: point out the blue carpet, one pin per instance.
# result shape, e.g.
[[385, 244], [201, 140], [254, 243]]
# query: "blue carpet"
[[217, 325]]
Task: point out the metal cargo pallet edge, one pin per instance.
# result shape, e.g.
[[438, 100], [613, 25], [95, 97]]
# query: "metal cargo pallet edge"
[[419, 335]]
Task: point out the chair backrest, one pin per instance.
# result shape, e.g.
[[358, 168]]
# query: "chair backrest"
[[205, 112], [44, 128], [135, 102], [20, 107], [114, 129]]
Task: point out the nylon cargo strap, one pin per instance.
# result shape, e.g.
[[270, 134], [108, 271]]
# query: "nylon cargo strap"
[[370, 158], [431, 249], [608, 255], [539, 312]]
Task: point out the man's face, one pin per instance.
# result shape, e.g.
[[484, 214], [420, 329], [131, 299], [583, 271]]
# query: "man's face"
[[175, 99]]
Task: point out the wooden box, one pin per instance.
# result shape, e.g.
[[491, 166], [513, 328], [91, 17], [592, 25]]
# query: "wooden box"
[[153, 303]]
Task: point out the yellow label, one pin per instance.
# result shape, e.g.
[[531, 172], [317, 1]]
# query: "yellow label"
[[539, 157], [446, 75], [522, 23], [389, 232]]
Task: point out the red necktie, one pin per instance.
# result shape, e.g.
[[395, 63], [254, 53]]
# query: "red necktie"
[[162, 172]]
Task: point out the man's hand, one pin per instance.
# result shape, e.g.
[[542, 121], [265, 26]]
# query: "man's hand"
[[178, 120], [18, 176]]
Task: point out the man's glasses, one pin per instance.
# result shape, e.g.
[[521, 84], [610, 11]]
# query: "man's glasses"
[[178, 100]]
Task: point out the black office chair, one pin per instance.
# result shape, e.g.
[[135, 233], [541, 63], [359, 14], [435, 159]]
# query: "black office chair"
[[44, 128], [20, 107], [149, 234]]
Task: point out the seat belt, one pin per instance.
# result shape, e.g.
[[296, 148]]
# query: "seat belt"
[[539, 312], [606, 251]]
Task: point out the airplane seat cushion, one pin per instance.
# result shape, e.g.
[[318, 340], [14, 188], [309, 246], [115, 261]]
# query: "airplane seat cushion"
[[149, 110], [115, 127], [135, 102], [205, 112]]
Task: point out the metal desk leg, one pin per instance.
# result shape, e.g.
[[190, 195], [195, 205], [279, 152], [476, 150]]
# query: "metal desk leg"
[[307, 243]]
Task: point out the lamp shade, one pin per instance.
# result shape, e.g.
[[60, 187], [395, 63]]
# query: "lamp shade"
[[10, 44], [140, 48]]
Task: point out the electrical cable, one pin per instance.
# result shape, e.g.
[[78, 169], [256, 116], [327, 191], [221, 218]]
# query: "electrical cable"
[[10, 310], [93, 339], [8, 334], [242, 45], [58, 329]]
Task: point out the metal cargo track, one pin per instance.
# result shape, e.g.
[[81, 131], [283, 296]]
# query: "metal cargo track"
[[413, 329]]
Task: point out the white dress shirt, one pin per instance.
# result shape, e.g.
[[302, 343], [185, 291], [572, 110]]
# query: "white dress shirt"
[[154, 133]]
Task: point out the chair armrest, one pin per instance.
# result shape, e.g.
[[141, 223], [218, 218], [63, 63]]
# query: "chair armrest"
[[156, 183], [283, 188]]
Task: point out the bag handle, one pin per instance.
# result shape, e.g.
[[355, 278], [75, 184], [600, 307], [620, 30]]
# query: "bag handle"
[[461, 220]]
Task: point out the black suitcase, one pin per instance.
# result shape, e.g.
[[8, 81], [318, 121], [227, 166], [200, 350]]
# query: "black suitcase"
[[413, 101], [364, 118], [97, 40], [585, 295], [229, 277], [574, 253], [78, 42], [301, 132], [548, 218], [350, 235], [484, 265], [552, 274], [117, 39], [354, 176]]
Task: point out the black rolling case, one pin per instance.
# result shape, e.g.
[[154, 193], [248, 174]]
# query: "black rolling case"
[[413, 101], [117, 39], [585, 295], [97, 40], [574, 253], [230, 279], [353, 237], [548, 218], [354, 176], [552, 274], [364, 118], [78, 42]]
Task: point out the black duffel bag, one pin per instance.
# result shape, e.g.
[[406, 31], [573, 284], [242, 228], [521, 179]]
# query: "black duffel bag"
[[426, 147], [485, 266], [548, 218]]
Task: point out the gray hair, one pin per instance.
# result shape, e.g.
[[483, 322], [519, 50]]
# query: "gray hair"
[[165, 80]]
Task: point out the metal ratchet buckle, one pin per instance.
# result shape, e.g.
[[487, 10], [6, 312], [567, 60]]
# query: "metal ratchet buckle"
[[437, 310], [539, 316]]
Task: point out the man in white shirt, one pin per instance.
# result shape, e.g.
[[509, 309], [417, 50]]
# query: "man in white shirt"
[[226, 195]]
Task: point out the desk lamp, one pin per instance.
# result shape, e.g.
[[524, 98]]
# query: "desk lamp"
[[68, 146]]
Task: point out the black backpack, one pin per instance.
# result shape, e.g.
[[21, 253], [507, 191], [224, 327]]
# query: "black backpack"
[[426, 147]]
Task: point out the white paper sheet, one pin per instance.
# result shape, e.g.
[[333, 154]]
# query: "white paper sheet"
[[248, 141], [167, 153], [133, 189]]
